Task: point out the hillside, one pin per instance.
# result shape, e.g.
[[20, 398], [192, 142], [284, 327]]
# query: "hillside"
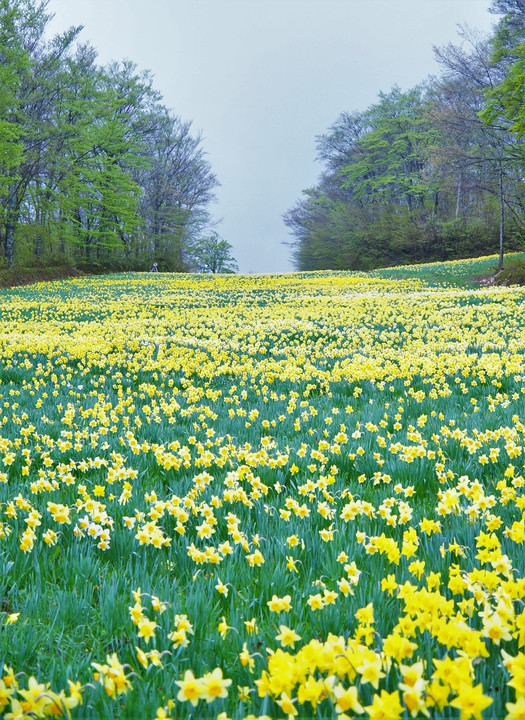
[[243, 496]]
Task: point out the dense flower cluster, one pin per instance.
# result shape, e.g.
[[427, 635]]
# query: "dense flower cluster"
[[248, 497]]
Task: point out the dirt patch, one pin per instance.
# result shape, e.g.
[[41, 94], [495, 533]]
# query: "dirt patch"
[[486, 280], [511, 274]]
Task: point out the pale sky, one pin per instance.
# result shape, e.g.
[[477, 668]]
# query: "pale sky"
[[261, 78]]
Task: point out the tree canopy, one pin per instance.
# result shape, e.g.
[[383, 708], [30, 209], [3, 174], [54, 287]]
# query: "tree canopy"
[[213, 254], [94, 169], [431, 173]]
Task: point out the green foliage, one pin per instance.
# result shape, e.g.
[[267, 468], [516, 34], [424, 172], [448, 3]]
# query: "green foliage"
[[213, 254], [389, 159], [507, 100], [418, 176], [14, 64], [79, 155]]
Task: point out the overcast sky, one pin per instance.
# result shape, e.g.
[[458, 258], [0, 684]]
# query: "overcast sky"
[[261, 78]]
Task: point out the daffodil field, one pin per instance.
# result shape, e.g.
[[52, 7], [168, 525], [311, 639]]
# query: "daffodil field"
[[262, 497]]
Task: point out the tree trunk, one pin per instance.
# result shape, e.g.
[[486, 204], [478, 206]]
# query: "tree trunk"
[[9, 242], [458, 198], [10, 226], [501, 219], [62, 242]]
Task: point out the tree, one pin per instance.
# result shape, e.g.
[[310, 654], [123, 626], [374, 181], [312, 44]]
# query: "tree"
[[21, 29], [214, 255], [489, 153], [104, 150], [93, 168], [390, 157], [14, 63], [415, 177], [375, 201], [506, 101], [178, 185]]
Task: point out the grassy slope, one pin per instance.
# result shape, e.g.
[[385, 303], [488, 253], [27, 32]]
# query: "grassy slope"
[[455, 273]]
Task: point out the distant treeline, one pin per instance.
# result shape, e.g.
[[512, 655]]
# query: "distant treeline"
[[434, 173], [94, 170]]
